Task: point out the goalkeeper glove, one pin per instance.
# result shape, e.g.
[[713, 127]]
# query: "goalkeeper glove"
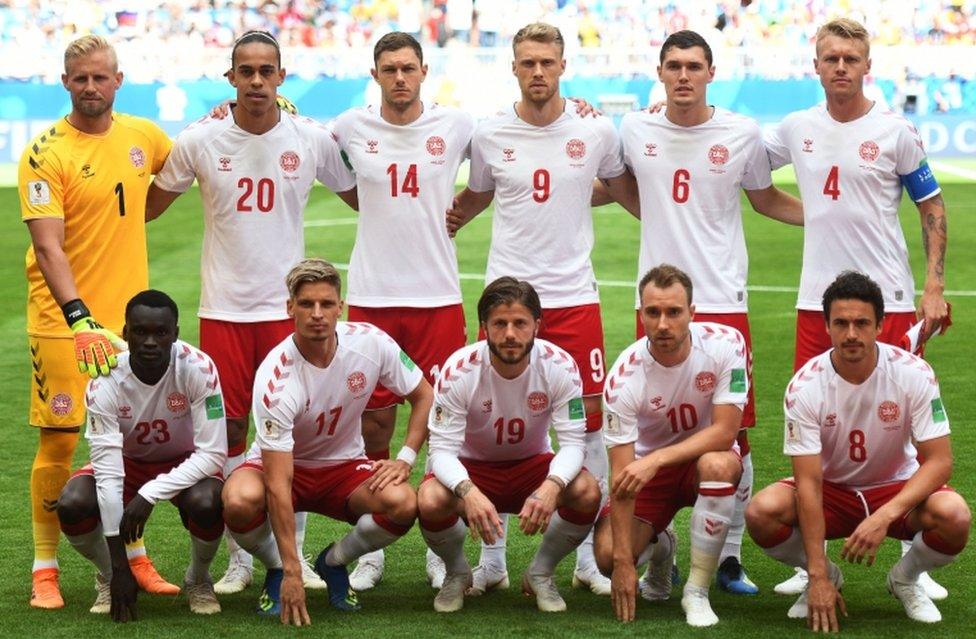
[[286, 105], [95, 346]]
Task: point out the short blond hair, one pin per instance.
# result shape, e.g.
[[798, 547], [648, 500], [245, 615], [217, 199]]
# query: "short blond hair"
[[847, 29], [87, 45], [310, 271], [539, 32]]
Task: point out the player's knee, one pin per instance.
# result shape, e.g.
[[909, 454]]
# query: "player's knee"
[[603, 546], [203, 503], [762, 511], [400, 503], [719, 466], [77, 501], [583, 493], [434, 501], [952, 515], [240, 505]]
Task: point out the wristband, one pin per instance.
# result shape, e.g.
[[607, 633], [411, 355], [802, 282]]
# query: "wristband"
[[407, 455], [74, 311]]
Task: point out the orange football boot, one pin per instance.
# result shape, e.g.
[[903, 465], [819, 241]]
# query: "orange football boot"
[[45, 592], [149, 579]]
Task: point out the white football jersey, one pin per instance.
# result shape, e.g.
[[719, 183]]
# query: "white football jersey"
[[254, 190], [689, 180], [182, 413], [849, 179], [542, 229], [314, 413], [405, 178], [480, 415], [655, 406], [864, 432]]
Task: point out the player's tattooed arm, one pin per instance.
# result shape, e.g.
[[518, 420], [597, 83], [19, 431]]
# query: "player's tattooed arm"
[[462, 489], [933, 307]]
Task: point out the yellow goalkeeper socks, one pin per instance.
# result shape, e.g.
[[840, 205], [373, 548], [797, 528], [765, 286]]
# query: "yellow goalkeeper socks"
[[50, 472]]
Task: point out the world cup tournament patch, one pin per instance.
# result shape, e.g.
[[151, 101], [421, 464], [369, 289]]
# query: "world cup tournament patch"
[[576, 408], [215, 406], [612, 422], [270, 429], [38, 192]]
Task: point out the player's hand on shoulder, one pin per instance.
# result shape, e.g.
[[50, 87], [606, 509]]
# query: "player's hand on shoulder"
[[222, 110], [585, 109], [388, 471], [293, 610], [657, 107]]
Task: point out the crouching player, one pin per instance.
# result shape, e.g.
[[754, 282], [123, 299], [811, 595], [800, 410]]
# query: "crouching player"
[[857, 417], [156, 431], [673, 407], [490, 448], [309, 396]]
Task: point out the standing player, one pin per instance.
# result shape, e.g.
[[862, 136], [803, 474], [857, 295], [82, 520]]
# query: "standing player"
[[309, 396], [690, 161], [156, 432], [82, 186], [852, 158], [406, 154], [852, 415], [490, 448], [673, 407], [538, 160], [256, 171]]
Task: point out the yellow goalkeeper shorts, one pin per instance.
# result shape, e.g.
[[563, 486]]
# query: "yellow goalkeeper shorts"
[[57, 387]]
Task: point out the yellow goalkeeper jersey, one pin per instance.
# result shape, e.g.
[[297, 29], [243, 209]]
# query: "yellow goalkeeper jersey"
[[97, 184]]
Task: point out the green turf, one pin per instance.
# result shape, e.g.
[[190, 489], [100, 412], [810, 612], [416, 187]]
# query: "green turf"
[[401, 605]]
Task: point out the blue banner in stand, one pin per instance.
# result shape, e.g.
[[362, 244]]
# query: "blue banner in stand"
[[26, 108]]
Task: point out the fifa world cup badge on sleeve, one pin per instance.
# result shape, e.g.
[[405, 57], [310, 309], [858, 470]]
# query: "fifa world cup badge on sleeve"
[[215, 407], [270, 429], [792, 431], [612, 421], [38, 192]]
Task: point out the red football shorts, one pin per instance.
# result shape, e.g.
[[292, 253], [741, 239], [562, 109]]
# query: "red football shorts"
[[237, 349], [138, 473], [324, 490], [509, 483], [844, 509], [812, 338], [428, 335], [740, 322], [578, 330]]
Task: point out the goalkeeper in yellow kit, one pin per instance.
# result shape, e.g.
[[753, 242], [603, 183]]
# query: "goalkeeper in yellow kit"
[[82, 184]]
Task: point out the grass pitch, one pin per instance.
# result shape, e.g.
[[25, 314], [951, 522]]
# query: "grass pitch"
[[402, 604]]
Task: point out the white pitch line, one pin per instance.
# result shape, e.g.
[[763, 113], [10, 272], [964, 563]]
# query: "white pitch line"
[[626, 284], [954, 170], [342, 221]]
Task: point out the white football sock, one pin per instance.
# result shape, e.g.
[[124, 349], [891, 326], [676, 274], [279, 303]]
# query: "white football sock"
[[301, 520], [201, 555], [920, 558], [655, 551], [366, 536], [261, 543], [93, 547], [448, 544], [494, 554], [710, 519], [560, 539], [733, 541]]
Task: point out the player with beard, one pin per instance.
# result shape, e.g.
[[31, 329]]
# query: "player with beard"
[[490, 450]]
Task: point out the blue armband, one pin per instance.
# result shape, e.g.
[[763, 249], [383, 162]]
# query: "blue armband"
[[920, 183]]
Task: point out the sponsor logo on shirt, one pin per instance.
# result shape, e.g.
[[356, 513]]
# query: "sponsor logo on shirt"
[[718, 154], [86, 172], [137, 157], [705, 381], [509, 155], [869, 151], [223, 163], [435, 145], [538, 401], [938, 411], [176, 402], [576, 408], [289, 161], [650, 150], [125, 412], [807, 145], [61, 404], [372, 146], [356, 382], [270, 429], [830, 420], [486, 406], [576, 149], [611, 422], [657, 403], [39, 192], [215, 406], [888, 411]]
